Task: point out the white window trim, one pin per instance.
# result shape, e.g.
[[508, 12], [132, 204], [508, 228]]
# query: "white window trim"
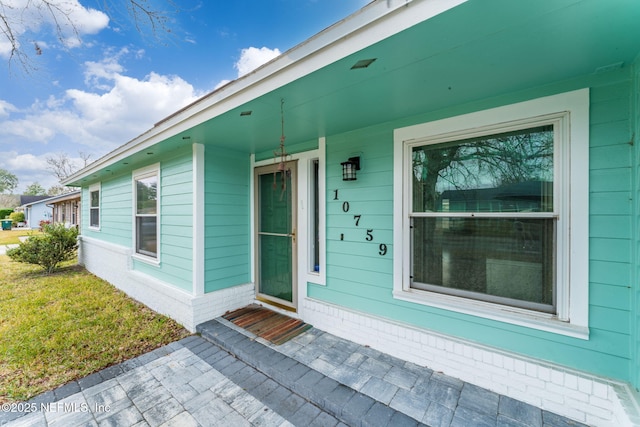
[[305, 270], [573, 280], [96, 187], [145, 172]]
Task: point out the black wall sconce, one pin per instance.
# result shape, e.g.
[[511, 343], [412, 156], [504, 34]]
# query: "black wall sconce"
[[349, 168]]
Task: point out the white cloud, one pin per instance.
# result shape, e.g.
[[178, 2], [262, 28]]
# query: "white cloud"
[[6, 108], [66, 20], [112, 109], [253, 57], [115, 109], [250, 59], [28, 168], [100, 75]]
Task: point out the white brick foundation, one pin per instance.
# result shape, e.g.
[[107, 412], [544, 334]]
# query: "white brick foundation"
[[113, 264], [583, 397]]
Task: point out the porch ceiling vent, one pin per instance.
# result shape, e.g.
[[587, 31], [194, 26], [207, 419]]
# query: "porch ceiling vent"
[[363, 63]]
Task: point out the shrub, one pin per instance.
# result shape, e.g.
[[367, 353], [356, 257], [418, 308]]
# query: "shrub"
[[44, 222], [17, 217], [55, 245], [4, 213]]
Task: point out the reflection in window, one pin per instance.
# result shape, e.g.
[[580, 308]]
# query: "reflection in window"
[[147, 215], [483, 218], [314, 199], [94, 208]]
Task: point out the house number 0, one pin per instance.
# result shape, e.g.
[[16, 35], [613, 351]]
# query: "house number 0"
[[382, 248]]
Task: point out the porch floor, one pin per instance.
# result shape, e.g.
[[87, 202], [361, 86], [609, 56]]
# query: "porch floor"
[[361, 386], [228, 376]]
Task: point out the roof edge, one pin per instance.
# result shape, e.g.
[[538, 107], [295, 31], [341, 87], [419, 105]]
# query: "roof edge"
[[371, 24]]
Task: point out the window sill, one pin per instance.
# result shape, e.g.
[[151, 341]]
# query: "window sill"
[[94, 228], [146, 259], [315, 278], [512, 315]]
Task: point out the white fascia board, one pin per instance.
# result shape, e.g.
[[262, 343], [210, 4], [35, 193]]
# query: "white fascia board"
[[375, 22]]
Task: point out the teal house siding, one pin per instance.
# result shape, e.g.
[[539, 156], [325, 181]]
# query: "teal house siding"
[[227, 242], [359, 277], [635, 228], [176, 223], [115, 211]]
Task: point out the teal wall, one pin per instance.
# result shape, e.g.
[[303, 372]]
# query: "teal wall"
[[227, 216], [359, 278], [115, 211], [176, 222], [635, 229]]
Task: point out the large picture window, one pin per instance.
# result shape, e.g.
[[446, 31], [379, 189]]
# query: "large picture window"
[[483, 217], [493, 219], [146, 212]]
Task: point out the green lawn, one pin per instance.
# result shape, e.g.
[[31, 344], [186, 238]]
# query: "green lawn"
[[8, 237], [61, 327]]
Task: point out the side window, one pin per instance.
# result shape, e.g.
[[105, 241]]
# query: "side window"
[[314, 219], [146, 198], [94, 206]]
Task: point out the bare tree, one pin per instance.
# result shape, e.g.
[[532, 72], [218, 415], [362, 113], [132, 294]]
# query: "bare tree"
[[15, 16], [62, 167], [464, 167]]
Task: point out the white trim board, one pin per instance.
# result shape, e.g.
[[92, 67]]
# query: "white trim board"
[[305, 273]]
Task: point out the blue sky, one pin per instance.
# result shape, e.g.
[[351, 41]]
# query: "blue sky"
[[95, 90]]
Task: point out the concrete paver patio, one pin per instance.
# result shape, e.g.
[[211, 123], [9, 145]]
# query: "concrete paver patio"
[[228, 377]]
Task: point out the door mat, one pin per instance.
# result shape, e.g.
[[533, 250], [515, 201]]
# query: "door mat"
[[274, 327]]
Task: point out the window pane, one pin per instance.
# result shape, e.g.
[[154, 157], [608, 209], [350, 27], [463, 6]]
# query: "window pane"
[[315, 250], [275, 266], [146, 235], [146, 195], [501, 260], [95, 199], [506, 172], [275, 203], [95, 218]]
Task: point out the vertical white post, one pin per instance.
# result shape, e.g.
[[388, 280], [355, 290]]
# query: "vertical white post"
[[198, 219]]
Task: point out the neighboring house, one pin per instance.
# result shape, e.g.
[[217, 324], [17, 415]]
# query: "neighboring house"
[[35, 209], [536, 300], [66, 208], [63, 208]]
